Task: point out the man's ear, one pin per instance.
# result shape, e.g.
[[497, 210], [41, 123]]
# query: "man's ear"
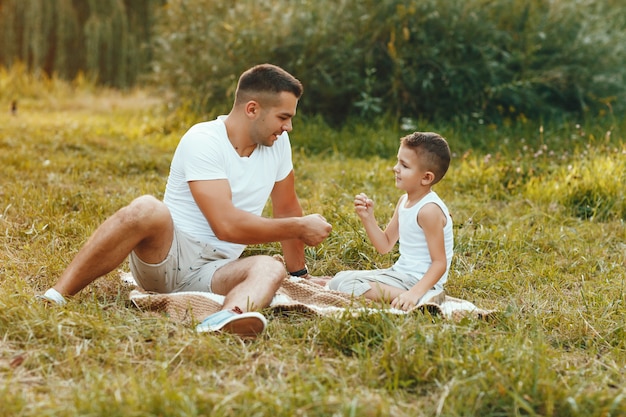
[[252, 108], [428, 178]]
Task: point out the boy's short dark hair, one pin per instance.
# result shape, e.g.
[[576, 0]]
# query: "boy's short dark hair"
[[266, 78], [433, 149]]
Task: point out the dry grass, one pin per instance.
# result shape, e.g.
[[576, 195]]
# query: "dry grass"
[[558, 280]]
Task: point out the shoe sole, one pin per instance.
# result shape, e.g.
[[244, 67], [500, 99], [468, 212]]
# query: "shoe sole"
[[246, 327]]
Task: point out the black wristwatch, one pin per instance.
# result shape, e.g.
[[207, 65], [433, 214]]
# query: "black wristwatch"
[[304, 271]]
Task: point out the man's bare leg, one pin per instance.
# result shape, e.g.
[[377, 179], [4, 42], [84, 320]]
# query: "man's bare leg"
[[145, 225], [249, 283]]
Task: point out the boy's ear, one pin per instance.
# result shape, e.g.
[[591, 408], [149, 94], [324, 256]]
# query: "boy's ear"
[[428, 178]]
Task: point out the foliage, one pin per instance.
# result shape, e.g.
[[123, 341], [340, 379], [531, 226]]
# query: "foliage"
[[107, 39], [453, 60], [470, 60], [71, 155]]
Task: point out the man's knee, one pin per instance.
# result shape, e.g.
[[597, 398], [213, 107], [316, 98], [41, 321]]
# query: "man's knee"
[[273, 268], [147, 202], [145, 210]]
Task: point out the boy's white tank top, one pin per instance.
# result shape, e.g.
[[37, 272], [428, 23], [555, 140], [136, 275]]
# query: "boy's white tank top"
[[414, 255]]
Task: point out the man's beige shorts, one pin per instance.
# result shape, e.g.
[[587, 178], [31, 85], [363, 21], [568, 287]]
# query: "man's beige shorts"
[[189, 266]]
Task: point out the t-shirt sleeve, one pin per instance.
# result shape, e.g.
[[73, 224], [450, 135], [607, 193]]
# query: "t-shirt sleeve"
[[286, 162], [202, 159]]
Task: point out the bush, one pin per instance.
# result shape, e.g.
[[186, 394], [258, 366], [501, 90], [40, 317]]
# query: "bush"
[[435, 59], [589, 188]]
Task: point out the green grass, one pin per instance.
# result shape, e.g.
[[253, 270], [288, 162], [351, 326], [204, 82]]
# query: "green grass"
[[539, 236]]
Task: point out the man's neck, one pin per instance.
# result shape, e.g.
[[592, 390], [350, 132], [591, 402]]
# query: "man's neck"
[[238, 138]]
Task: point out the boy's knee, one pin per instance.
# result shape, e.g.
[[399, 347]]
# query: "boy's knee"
[[333, 284], [341, 282], [345, 282]]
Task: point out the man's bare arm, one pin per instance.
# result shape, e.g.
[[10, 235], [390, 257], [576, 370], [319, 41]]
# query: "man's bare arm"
[[285, 203], [214, 198]]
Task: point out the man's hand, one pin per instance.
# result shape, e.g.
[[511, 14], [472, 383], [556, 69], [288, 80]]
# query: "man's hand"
[[316, 229]]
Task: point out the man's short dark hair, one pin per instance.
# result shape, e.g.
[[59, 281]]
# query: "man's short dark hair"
[[433, 149], [266, 78]]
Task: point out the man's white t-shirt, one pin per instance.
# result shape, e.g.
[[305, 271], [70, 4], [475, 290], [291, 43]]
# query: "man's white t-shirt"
[[205, 153]]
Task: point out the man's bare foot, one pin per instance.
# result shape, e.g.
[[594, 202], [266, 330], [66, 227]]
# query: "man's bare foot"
[[322, 281]]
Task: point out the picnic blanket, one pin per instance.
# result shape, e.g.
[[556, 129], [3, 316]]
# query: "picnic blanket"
[[300, 296]]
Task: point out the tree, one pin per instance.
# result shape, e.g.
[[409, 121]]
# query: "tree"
[[109, 39]]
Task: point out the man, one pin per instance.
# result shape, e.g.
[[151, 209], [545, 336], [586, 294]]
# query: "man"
[[221, 176]]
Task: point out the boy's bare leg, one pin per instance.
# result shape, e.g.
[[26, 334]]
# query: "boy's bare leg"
[[145, 225], [382, 292]]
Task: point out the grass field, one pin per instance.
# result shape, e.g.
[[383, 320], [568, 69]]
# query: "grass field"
[[539, 236]]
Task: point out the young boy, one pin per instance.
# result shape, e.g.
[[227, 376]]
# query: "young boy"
[[421, 222]]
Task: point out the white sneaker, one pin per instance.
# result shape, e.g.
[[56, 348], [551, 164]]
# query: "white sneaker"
[[52, 296], [246, 325]]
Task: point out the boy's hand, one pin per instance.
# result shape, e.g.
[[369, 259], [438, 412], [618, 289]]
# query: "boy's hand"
[[363, 205], [405, 301]]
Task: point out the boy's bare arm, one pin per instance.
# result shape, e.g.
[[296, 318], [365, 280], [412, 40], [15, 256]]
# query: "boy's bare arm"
[[385, 240]]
